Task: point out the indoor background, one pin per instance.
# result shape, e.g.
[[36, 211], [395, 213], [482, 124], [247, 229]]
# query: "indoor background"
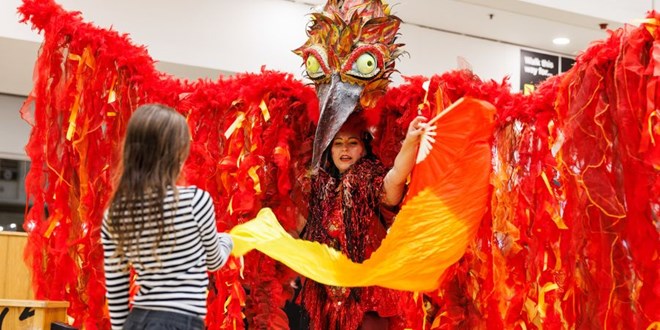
[[208, 38]]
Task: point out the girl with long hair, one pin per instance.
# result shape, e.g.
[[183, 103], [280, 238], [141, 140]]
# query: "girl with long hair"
[[166, 233]]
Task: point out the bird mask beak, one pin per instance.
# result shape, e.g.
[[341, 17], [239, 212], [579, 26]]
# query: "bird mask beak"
[[337, 100]]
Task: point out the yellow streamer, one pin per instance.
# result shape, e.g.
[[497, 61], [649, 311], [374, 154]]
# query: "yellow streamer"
[[412, 256], [86, 60], [541, 307], [252, 172], [264, 110], [238, 122]]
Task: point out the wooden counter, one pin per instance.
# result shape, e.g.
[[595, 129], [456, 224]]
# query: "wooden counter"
[[18, 314], [15, 278]]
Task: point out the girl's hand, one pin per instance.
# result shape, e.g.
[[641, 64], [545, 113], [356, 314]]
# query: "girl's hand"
[[416, 128]]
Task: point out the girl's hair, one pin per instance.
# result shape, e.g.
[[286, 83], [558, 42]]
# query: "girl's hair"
[[157, 143]]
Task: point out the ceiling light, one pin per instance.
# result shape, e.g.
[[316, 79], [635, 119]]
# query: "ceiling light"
[[561, 41]]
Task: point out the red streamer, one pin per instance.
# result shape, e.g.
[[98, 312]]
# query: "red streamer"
[[571, 239]]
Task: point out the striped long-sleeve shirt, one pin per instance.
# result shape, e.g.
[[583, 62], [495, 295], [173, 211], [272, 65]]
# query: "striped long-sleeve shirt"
[[176, 279]]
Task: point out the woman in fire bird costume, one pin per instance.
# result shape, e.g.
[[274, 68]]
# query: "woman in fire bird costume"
[[568, 238]]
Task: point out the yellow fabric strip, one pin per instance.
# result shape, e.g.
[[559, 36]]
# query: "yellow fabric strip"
[[412, 257]]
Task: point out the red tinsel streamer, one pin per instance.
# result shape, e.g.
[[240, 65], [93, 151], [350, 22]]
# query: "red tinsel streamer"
[[574, 192], [571, 239], [602, 107], [250, 137], [88, 81]]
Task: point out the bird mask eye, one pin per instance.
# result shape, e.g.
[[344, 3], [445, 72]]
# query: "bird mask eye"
[[313, 67], [363, 65], [316, 63]]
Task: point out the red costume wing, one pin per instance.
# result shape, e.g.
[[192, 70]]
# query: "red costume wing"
[[571, 238], [251, 143]]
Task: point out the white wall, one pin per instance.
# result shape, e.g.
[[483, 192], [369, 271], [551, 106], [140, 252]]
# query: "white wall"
[[435, 52], [229, 35], [241, 36], [14, 132]]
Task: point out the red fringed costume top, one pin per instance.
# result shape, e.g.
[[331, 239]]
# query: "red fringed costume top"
[[347, 214]]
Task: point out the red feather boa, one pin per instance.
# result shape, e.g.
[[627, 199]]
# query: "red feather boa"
[[88, 82], [571, 238]]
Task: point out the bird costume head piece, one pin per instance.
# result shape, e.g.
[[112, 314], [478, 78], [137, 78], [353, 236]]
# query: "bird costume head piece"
[[349, 56]]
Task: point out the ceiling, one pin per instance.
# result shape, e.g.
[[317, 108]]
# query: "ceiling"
[[530, 23], [527, 23]]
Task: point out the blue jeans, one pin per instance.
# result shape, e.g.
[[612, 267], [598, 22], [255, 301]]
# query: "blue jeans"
[[143, 319]]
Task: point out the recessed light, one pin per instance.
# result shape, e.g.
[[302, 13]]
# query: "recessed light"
[[561, 41]]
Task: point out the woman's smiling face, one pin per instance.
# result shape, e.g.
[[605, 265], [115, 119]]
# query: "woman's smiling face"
[[347, 149]]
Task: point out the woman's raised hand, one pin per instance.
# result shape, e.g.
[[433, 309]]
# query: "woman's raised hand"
[[416, 128]]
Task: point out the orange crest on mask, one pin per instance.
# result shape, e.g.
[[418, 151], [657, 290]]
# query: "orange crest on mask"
[[354, 39]]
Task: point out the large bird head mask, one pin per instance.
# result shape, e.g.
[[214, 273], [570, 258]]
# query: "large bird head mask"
[[349, 56]]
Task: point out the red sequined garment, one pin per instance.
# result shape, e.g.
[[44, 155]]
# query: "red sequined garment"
[[347, 214]]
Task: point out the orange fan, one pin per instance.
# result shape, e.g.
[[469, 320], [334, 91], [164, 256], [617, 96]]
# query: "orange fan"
[[446, 200]]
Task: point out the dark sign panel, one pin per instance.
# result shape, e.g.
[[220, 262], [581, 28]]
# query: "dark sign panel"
[[566, 64], [535, 68]]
